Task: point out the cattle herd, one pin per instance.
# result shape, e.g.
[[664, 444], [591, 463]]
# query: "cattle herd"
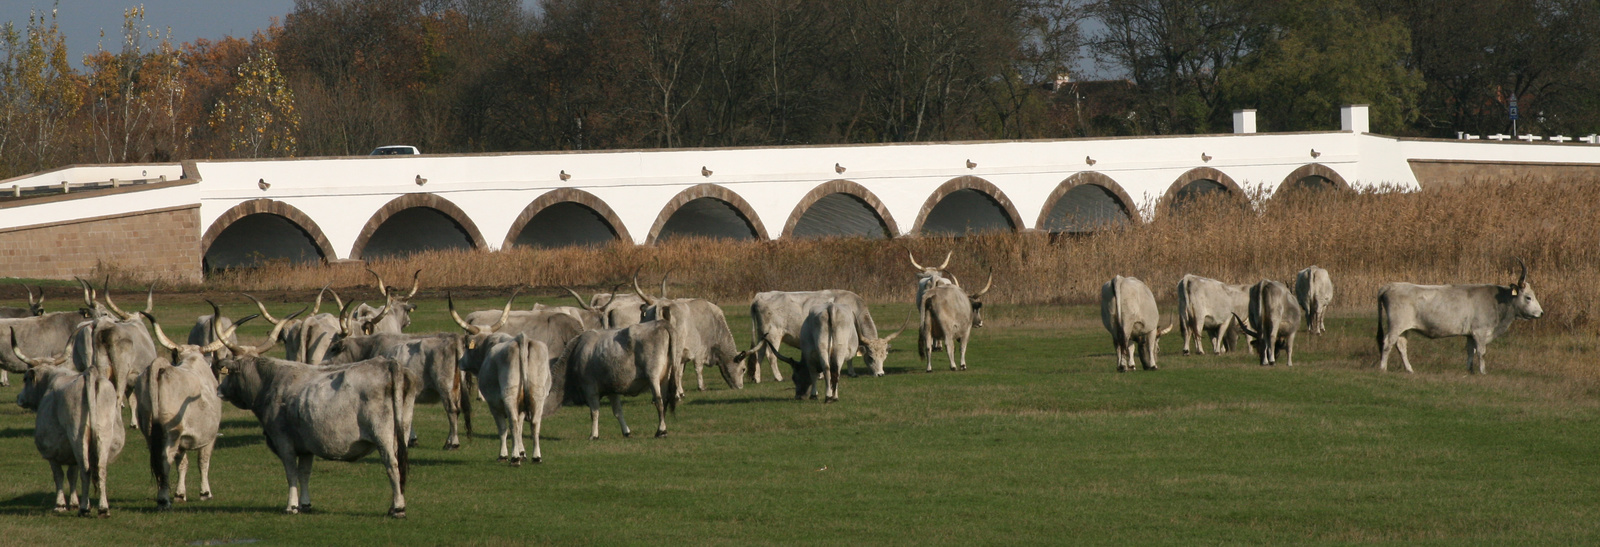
[[349, 382]]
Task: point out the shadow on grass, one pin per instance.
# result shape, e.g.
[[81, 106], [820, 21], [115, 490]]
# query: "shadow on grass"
[[736, 401], [16, 433], [243, 423], [230, 441]]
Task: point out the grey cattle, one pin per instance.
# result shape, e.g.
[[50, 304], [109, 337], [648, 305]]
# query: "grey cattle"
[[395, 315], [555, 330], [119, 343], [620, 309], [203, 335], [1479, 312], [948, 315], [1128, 310], [433, 358], [180, 412], [776, 317], [707, 340], [627, 361], [1274, 320], [78, 426], [45, 336], [928, 277], [1314, 291], [514, 375], [592, 315], [341, 412], [1207, 307], [830, 339], [308, 340], [35, 307]]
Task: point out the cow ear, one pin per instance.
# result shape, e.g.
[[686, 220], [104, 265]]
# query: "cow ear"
[[1514, 290]]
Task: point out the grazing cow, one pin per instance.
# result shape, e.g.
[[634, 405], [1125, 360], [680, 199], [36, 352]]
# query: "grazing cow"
[[707, 339], [627, 361], [339, 412], [1128, 310], [180, 412], [395, 315], [1274, 320], [1479, 312], [514, 375], [35, 307], [776, 317], [555, 330], [1207, 307], [433, 358], [78, 426], [948, 315], [1314, 290], [829, 339]]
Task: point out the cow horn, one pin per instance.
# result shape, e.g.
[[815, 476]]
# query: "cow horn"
[[150, 299], [946, 260], [914, 263], [31, 302], [219, 336], [113, 305], [336, 300], [263, 308], [368, 325], [416, 282], [16, 351], [88, 292], [161, 337], [953, 279], [344, 318], [1244, 326], [505, 314], [316, 307], [581, 303], [986, 286], [450, 300], [637, 290], [381, 287], [1522, 280], [1161, 331], [664, 283], [903, 324], [40, 303], [612, 297], [277, 328]]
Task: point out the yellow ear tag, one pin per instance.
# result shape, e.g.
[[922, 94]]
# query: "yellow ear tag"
[[1513, 291]]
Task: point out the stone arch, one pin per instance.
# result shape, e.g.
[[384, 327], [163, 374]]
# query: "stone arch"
[[290, 213], [1202, 174], [1312, 171], [1094, 178], [708, 190], [411, 201], [968, 182], [567, 195], [846, 187]]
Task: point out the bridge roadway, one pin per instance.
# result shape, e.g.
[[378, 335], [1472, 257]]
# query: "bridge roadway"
[[369, 207]]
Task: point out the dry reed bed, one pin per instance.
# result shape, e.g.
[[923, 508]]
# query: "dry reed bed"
[[1460, 234]]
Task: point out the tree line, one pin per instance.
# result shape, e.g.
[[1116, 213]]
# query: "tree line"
[[339, 77]]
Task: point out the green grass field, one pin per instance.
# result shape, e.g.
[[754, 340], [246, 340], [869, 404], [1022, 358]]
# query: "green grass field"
[[1041, 441]]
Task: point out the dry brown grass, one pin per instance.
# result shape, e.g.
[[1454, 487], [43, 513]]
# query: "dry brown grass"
[[1463, 234]]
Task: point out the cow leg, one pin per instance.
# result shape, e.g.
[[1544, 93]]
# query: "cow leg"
[[452, 415], [1386, 344], [964, 340], [699, 374], [61, 494], [536, 417], [104, 457], [391, 463], [772, 360], [180, 460], [616, 410], [1288, 350], [503, 427], [661, 410], [594, 414], [1405, 359], [5, 379], [303, 470], [518, 453], [411, 436], [205, 471], [73, 473], [1476, 345]]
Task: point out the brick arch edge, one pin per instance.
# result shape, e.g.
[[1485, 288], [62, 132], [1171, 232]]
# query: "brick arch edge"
[[968, 182], [409, 201], [841, 186], [707, 190], [1097, 179], [271, 207], [563, 195]]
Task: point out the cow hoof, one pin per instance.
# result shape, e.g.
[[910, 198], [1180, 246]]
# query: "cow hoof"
[[452, 446], [180, 498], [501, 459], [594, 437], [163, 505], [61, 508], [516, 462], [83, 512], [850, 374], [963, 367], [398, 512], [813, 397], [305, 508], [105, 513], [660, 434], [411, 443], [625, 434], [204, 496], [536, 459]]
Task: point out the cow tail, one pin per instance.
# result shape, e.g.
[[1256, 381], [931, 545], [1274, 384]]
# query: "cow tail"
[[463, 399], [1184, 310], [1383, 307], [397, 386], [90, 445], [526, 363], [924, 331], [1116, 317], [669, 388], [155, 433]]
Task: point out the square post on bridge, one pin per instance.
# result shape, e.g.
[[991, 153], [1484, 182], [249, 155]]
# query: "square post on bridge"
[[1353, 118], [1244, 121]]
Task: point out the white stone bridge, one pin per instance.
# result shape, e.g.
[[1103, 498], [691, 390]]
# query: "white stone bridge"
[[180, 219]]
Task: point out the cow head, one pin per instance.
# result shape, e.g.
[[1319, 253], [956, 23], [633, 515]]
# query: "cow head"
[[734, 370], [185, 354], [876, 350], [242, 352], [976, 299], [475, 333], [35, 307], [395, 304], [923, 271], [1522, 297]]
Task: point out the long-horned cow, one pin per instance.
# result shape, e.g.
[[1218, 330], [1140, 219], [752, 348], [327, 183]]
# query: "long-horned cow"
[[514, 375], [433, 358], [948, 315], [1479, 312], [776, 318], [119, 343], [1274, 319], [707, 340], [555, 330], [829, 340], [628, 361], [1206, 308], [35, 307], [1128, 311], [1314, 291], [395, 315], [180, 412], [78, 428], [308, 340], [341, 412]]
